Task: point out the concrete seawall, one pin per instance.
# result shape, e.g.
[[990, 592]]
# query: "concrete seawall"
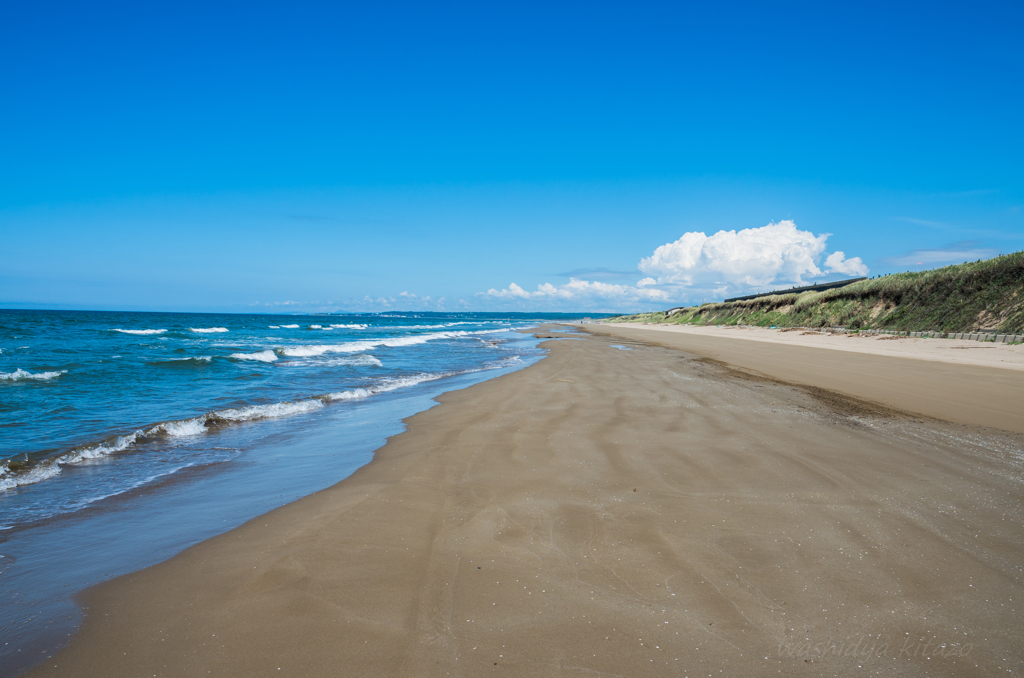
[[966, 336]]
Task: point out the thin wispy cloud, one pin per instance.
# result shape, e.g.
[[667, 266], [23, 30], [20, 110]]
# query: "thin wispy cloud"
[[955, 230], [599, 274], [955, 253]]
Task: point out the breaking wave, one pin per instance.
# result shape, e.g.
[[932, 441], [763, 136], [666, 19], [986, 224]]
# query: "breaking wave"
[[207, 330], [184, 362], [262, 356], [434, 327], [254, 412], [140, 331], [386, 385], [309, 350], [178, 429], [19, 375]]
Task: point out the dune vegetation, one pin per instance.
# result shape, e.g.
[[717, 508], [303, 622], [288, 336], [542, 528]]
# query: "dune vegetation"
[[982, 295]]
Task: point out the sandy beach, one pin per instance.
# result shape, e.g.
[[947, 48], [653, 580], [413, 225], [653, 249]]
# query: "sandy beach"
[[638, 503]]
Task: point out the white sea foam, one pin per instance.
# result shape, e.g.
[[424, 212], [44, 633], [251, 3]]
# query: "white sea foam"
[[140, 331], [118, 444], [496, 365], [262, 356], [350, 327], [432, 327], [316, 327], [351, 394], [308, 350], [208, 330], [51, 467], [386, 385], [359, 360], [275, 327], [267, 411], [318, 349], [180, 429], [394, 383], [289, 327], [19, 375], [8, 480]]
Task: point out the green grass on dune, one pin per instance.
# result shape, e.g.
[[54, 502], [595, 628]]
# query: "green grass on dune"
[[983, 295]]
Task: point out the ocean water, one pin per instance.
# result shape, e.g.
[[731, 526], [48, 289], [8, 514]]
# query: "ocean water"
[[126, 437]]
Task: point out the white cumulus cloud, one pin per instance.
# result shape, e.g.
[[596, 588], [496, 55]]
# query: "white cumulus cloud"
[[751, 257], [838, 262]]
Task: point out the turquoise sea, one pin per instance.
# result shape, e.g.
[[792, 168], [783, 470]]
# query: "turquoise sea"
[[126, 437]]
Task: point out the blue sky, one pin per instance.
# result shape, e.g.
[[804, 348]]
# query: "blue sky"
[[306, 157]]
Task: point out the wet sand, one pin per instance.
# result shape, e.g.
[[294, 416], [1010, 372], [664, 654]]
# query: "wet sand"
[[610, 512]]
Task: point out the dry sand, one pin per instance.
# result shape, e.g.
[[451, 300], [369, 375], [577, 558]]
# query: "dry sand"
[[607, 512], [955, 351], [920, 376]]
